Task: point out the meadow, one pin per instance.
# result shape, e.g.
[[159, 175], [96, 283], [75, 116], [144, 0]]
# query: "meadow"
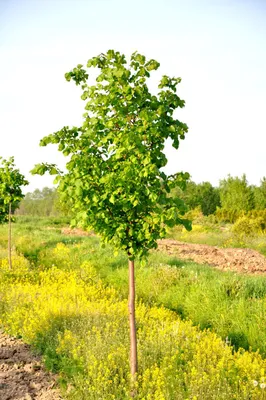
[[209, 230], [201, 331]]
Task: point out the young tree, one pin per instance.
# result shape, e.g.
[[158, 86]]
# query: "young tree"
[[202, 194], [209, 198], [114, 180], [11, 181], [260, 195], [236, 194]]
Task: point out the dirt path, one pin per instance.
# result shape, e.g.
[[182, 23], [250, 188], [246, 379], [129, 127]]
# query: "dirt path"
[[22, 376], [240, 260]]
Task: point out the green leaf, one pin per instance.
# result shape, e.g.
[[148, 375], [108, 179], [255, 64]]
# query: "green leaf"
[[53, 171], [112, 199], [164, 82], [152, 65], [113, 178]]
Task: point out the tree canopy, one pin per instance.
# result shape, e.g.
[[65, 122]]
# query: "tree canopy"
[[202, 194], [114, 180], [236, 194], [259, 193], [11, 181]]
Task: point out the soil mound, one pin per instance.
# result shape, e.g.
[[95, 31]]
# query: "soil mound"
[[239, 260], [22, 376]]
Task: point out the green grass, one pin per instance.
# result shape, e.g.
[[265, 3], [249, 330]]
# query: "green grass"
[[80, 326], [229, 304], [221, 235]]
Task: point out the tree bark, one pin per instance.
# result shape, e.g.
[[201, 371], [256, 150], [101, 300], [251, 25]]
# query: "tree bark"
[[132, 322], [9, 238]]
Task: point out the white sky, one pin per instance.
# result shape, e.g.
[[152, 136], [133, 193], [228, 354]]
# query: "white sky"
[[217, 47]]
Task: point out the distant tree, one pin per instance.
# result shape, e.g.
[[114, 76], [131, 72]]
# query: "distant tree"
[[203, 194], [236, 194], [209, 198], [114, 181], [259, 193], [11, 181], [43, 202], [189, 195]]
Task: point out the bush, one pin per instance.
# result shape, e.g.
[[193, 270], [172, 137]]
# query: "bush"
[[228, 215], [232, 215], [194, 215], [246, 226]]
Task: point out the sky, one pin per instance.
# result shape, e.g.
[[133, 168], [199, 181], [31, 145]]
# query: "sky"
[[217, 47]]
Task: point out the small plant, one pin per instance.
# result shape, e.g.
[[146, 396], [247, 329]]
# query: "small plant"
[[11, 181], [114, 181]]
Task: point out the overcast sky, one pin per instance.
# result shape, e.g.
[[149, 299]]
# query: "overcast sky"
[[217, 47]]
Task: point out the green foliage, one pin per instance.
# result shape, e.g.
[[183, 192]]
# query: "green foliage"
[[233, 199], [237, 199], [236, 194], [209, 198], [228, 215], [114, 183], [202, 195], [258, 214], [45, 203], [248, 226], [195, 214], [11, 181], [231, 215], [188, 195], [259, 194], [214, 231]]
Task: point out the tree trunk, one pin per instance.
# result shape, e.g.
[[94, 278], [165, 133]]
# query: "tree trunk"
[[9, 238], [132, 323]]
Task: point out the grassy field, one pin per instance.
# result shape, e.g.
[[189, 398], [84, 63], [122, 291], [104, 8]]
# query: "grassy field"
[[68, 297], [206, 230]]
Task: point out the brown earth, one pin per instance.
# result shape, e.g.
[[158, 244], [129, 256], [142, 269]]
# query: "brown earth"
[[239, 260], [76, 232], [22, 376]]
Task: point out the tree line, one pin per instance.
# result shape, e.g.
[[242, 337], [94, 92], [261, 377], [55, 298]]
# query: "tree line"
[[233, 196], [43, 203]]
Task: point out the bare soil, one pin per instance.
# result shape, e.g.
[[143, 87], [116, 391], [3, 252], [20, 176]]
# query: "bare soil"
[[240, 260], [22, 376], [76, 232]]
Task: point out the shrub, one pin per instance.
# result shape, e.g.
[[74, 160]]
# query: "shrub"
[[195, 215], [228, 215], [246, 226]]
